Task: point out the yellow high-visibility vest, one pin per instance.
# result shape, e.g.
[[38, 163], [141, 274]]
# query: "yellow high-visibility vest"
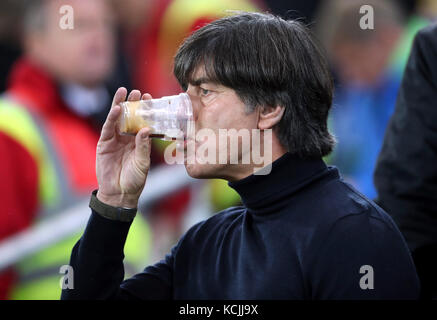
[[39, 274]]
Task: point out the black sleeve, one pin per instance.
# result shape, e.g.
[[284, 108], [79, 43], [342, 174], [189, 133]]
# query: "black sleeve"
[[362, 258], [406, 171], [98, 272]]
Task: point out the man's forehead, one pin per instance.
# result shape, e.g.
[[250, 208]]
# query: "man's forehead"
[[199, 72], [199, 76]]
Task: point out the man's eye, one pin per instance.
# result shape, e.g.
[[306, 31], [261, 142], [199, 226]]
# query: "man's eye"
[[204, 92]]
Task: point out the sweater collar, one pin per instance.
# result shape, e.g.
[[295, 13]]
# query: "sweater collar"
[[289, 174]]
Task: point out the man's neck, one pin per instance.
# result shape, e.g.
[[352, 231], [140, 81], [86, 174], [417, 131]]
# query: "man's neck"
[[242, 171]]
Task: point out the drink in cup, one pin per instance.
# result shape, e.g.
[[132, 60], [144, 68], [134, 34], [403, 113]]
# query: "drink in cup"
[[170, 118]]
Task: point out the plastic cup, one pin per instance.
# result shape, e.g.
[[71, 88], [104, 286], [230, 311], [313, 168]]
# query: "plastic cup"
[[170, 118]]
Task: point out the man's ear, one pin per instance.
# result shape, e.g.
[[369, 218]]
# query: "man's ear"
[[269, 117]]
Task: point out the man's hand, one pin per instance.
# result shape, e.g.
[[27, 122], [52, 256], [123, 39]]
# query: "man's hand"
[[122, 162]]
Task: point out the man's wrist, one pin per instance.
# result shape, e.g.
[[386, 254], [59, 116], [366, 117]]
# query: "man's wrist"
[[111, 212], [119, 201]]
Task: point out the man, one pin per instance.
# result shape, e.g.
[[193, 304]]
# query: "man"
[[153, 30], [301, 233], [406, 172], [50, 120]]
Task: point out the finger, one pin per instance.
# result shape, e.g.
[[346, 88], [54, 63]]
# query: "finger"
[[108, 129], [146, 96], [135, 95], [109, 126], [142, 149], [119, 96]]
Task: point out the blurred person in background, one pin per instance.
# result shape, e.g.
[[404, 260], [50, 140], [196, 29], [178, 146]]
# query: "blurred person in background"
[[152, 31], [366, 84], [406, 170], [50, 119], [307, 11], [416, 15]]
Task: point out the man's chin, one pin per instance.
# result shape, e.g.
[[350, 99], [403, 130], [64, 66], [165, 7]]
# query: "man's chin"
[[198, 171]]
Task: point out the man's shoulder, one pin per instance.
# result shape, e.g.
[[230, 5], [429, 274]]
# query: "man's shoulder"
[[358, 234], [353, 222], [429, 33], [424, 50], [341, 204]]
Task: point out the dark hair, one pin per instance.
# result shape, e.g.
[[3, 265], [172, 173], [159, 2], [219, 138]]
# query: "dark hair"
[[268, 62], [35, 15]]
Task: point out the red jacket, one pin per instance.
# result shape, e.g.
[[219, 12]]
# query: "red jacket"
[[73, 137], [18, 196], [74, 140]]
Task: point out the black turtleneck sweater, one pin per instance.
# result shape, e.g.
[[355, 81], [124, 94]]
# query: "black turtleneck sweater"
[[302, 233]]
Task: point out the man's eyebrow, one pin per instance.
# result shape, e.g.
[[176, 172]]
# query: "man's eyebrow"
[[199, 81]]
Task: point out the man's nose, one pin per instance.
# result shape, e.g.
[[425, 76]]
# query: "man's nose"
[[195, 103]]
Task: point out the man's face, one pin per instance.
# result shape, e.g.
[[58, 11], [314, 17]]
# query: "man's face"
[[216, 107], [358, 63], [363, 62], [83, 55]]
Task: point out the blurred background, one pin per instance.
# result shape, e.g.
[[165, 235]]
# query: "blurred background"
[[56, 88]]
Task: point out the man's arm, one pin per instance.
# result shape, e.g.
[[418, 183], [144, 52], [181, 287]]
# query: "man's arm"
[[97, 260], [122, 164], [406, 171], [98, 272]]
